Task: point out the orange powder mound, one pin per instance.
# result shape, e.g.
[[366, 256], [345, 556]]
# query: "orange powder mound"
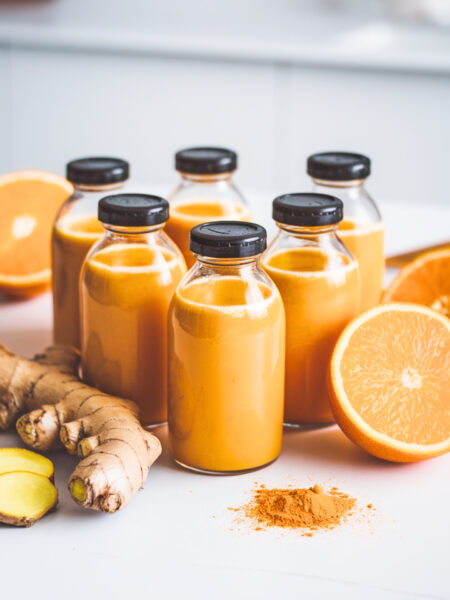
[[298, 508]]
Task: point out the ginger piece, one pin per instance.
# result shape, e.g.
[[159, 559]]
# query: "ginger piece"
[[117, 452], [21, 459], [25, 497]]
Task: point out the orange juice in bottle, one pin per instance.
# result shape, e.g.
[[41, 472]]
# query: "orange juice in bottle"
[[127, 283], [75, 230], [343, 174], [318, 280], [226, 354], [205, 193]]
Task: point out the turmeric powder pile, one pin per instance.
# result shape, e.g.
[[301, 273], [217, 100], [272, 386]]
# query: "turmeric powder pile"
[[309, 509]]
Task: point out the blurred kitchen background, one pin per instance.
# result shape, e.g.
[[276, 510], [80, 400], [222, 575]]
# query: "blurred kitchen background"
[[273, 79]]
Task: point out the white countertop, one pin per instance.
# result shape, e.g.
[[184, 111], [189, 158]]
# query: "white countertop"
[[177, 538]]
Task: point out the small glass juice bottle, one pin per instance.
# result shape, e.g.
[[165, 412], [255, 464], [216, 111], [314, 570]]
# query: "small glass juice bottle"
[[75, 230], [343, 174], [127, 282], [205, 193], [318, 280], [226, 354]]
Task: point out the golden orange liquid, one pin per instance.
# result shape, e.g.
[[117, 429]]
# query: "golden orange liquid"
[[186, 215], [226, 375], [366, 243], [125, 294], [72, 239], [318, 303]]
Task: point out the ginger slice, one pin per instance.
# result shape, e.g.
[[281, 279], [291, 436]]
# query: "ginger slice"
[[25, 497], [116, 451], [21, 459]]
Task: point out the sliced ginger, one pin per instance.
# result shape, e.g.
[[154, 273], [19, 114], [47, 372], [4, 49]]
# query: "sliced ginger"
[[25, 497], [21, 459]]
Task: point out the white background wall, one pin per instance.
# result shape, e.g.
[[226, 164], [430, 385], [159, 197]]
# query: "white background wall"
[[72, 83]]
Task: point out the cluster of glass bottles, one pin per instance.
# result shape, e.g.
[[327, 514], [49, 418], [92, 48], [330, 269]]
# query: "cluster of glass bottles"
[[241, 339]]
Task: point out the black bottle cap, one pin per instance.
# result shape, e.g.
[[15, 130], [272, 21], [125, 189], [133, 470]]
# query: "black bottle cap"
[[338, 166], [228, 239], [133, 210], [97, 170], [307, 210], [205, 161]]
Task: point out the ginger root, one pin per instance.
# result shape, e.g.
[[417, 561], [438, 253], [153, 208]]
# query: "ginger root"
[[25, 497], [117, 452]]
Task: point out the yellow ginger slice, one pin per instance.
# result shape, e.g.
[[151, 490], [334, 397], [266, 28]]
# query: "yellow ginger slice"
[[21, 459], [25, 497]]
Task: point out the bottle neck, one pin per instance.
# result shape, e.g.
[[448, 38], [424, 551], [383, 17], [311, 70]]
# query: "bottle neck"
[[98, 188], [226, 263], [132, 233], [308, 232], [208, 179], [329, 183]]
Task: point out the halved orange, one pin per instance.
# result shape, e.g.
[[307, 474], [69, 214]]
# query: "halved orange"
[[389, 382], [29, 201], [425, 280]]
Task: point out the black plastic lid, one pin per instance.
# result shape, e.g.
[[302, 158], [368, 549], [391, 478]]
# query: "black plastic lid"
[[228, 239], [338, 166], [97, 170], [133, 210], [205, 161], [307, 210]]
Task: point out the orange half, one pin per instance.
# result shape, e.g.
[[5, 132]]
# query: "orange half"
[[425, 280], [390, 382], [29, 201]]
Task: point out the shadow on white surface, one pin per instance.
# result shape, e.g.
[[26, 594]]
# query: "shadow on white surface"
[[327, 446], [330, 446]]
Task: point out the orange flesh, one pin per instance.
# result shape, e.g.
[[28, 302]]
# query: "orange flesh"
[[425, 281], [186, 215], [72, 239], [29, 207], [403, 391], [320, 298], [226, 374], [366, 243], [126, 292]]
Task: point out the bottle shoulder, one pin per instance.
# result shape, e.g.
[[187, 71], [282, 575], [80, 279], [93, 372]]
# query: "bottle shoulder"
[[227, 288], [136, 253], [220, 191], [84, 202], [308, 253], [359, 205]]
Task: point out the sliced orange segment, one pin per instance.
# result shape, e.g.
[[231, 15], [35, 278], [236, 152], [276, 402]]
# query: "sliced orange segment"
[[29, 201], [425, 280], [390, 382]]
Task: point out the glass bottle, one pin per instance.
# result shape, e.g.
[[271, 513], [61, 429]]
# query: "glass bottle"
[[343, 174], [318, 280], [226, 354], [127, 283], [205, 193], [75, 230]]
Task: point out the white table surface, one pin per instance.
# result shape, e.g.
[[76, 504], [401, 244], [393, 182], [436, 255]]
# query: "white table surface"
[[177, 537]]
